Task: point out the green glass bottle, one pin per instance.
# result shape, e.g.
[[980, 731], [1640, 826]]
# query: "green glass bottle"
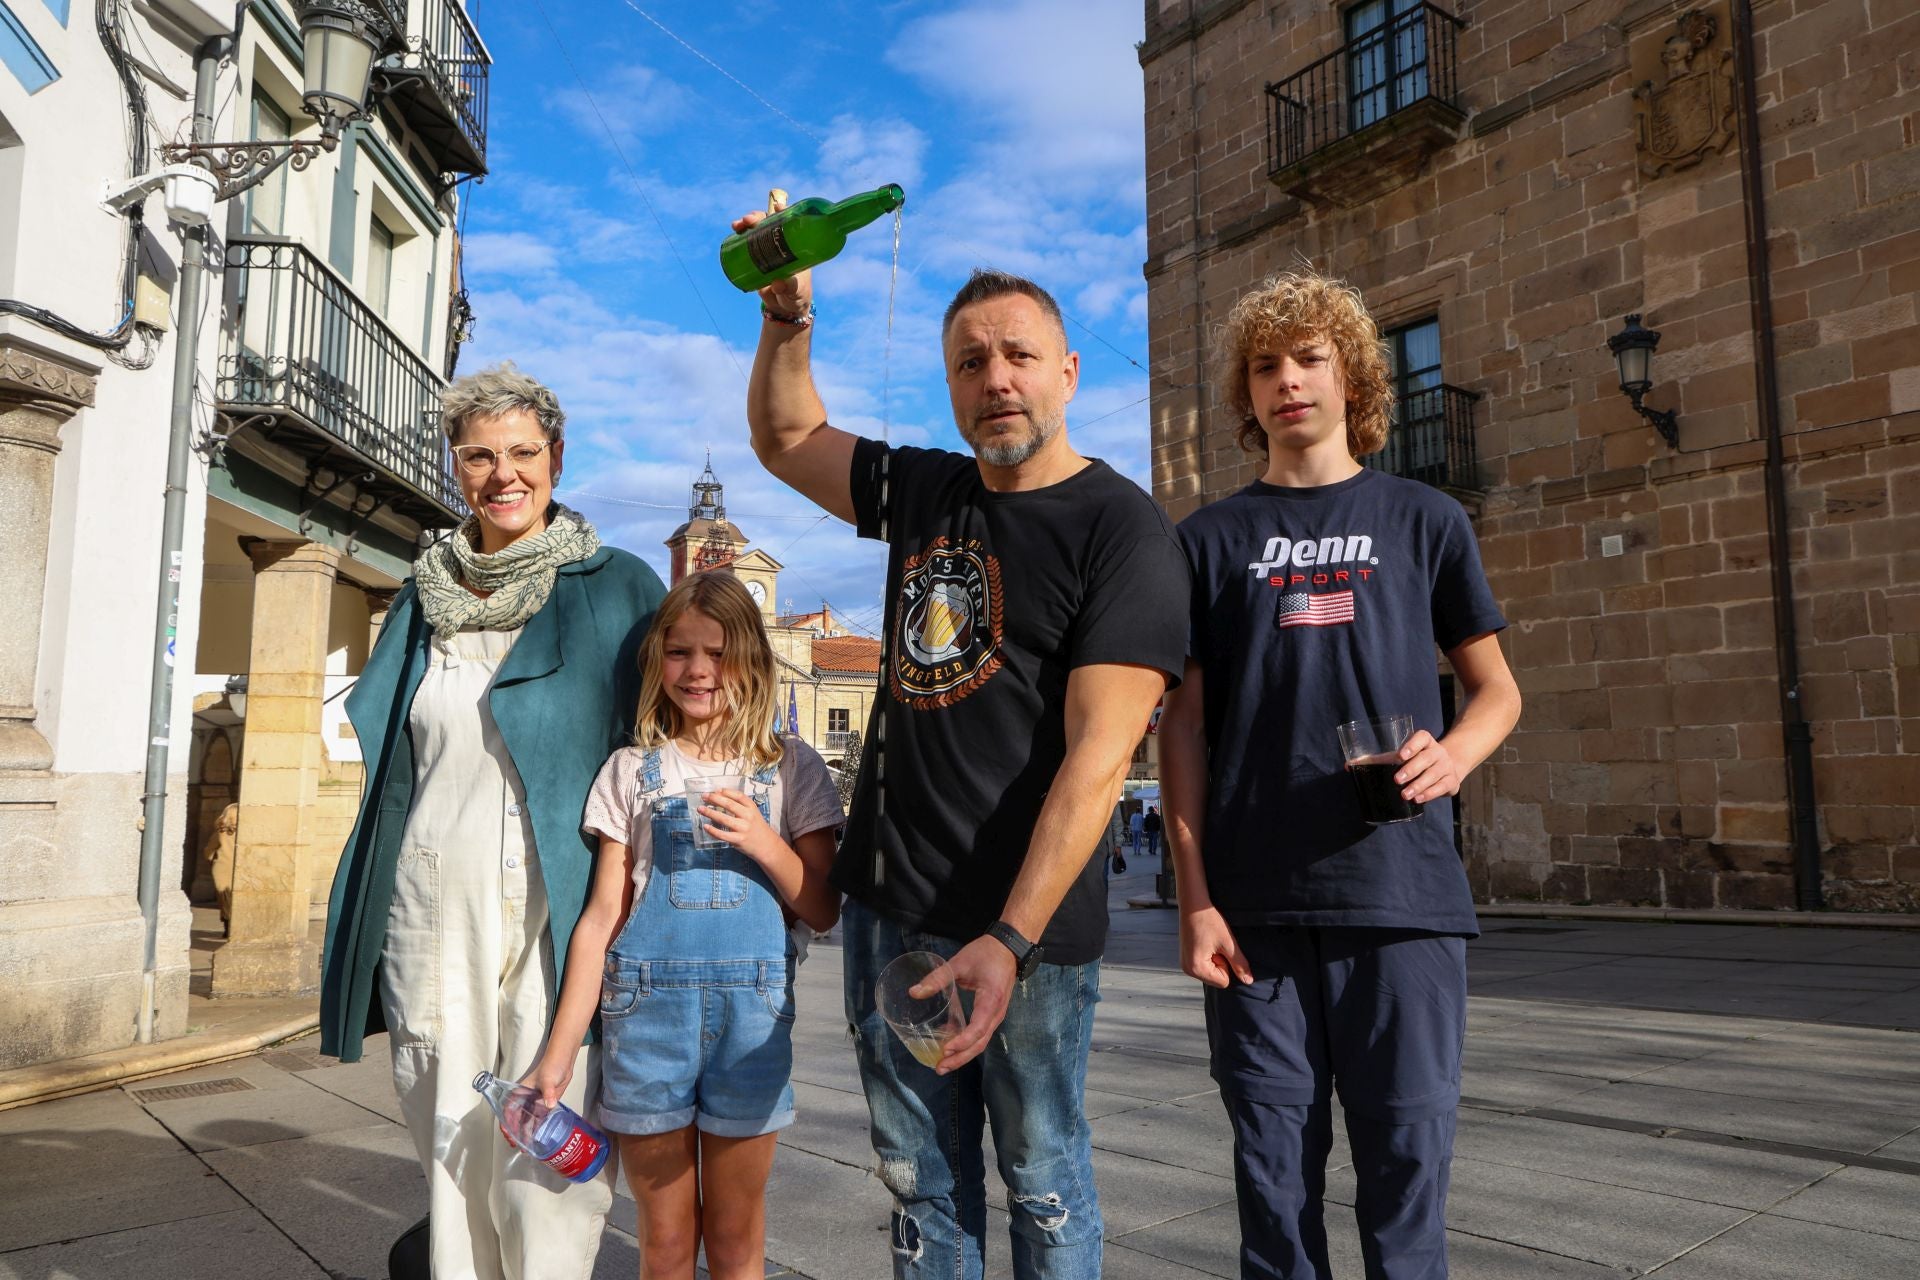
[[800, 236]]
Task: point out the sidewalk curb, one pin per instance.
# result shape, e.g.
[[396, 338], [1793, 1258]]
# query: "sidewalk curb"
[[46, 1081], [1681, 915]]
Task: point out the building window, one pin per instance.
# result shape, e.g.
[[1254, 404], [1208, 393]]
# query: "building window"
[[379, 268], [1418, 442], [1386, 59], [267, 203], [838, 720]]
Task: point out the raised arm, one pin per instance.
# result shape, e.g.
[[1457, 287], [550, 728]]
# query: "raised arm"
[[1107, 709], [788, 419]]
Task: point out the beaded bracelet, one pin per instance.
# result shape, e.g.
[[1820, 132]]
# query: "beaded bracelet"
[[802, 321]]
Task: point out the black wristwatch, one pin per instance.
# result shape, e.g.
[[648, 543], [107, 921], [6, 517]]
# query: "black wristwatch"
[[1026, 955]]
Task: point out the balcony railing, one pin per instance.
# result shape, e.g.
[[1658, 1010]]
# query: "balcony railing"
[[1432, 439], [440, 83], [842, 739], [1402, 63], [303, 345]]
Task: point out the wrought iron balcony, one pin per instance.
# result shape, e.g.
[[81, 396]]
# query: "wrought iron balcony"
[[439, 84], [1350, 125], [841, 739], [343, 389], [1432, 440]]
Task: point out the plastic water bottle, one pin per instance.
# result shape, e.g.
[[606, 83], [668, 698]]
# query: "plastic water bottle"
[[556, 1134]]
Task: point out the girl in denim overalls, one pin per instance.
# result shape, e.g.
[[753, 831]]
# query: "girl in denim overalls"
[[687, 948]]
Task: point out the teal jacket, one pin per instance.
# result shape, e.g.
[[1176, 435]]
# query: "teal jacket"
[[564, 699]]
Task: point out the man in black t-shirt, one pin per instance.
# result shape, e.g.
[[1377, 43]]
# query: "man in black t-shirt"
[[1037, 613], [1150, 825]]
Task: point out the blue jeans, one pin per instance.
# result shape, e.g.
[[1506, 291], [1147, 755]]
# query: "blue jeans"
[[927, 1128]]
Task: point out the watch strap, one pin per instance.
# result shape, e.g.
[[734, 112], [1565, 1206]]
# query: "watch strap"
[[1025, 954]]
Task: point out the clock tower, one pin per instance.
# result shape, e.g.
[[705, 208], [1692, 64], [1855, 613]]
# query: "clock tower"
[[708, 540]]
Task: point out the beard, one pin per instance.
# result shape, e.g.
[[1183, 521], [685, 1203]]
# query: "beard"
[[1010, 449]]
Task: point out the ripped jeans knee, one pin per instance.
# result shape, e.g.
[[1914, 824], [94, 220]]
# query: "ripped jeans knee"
[[902, 1179], [1048, 1212]]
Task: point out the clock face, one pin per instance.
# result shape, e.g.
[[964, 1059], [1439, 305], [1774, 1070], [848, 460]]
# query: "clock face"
[[758, 591]]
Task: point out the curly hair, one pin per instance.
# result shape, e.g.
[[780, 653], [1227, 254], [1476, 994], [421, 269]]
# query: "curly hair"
[[492, 392], [1305, 304]]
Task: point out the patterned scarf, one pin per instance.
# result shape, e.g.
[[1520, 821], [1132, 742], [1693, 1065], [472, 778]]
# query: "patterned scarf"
[[517, 579]]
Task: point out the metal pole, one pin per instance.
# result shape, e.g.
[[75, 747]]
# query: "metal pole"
[[153, 820]]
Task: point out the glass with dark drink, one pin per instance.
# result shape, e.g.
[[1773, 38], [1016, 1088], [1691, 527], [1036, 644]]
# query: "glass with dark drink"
[[1372, 752]]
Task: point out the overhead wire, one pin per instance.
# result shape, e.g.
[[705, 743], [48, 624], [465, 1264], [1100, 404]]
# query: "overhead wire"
[[618, 150]]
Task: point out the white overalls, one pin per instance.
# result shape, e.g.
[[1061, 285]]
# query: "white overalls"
[[467, 982]]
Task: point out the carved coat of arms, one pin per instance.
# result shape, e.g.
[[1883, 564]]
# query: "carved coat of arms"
[[1690, 116]]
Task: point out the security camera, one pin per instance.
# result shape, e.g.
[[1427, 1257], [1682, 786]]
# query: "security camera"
[[190, 193]]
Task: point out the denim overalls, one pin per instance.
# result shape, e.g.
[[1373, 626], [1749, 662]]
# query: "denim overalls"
[[696, 1006]]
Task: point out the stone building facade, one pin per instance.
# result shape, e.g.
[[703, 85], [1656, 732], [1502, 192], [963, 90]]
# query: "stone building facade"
[[1506, 181]]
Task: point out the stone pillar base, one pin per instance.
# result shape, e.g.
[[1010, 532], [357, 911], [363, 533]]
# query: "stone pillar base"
[[266, 969]]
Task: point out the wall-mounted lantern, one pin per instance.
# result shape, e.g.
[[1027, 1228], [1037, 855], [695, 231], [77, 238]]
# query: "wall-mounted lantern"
[[1633, 349]]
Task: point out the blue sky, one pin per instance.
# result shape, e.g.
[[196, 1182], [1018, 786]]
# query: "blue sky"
[[1014, 126]]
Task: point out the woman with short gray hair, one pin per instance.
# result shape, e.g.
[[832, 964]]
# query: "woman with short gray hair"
[[504, 676]]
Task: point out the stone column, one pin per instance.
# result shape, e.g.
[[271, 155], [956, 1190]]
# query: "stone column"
[[267, 951], [379, 600], [37, 395]]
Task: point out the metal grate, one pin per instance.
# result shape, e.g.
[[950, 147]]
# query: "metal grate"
[[198, 1089]]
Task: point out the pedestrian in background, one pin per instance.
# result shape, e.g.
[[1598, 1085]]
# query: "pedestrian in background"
[[1150, 827], [1137, 828]]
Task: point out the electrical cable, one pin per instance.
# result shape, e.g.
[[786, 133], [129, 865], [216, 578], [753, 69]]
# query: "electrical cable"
[[614, 142]]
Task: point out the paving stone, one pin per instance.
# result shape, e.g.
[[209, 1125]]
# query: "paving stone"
[[71, 1196], [1518, 1087], [278, 1107], [1156, 1077], [1776, 1248], [830, 1123], [342, 1196], [1746, 1080], [367, 1083], [1484, 1053], [827, 1220], [240, 1245], [1871, 1200], [1900, 1010], [1206, 1242], [1568, 1217], [1816, 1124], [1192, 1137], [1689, 1170]]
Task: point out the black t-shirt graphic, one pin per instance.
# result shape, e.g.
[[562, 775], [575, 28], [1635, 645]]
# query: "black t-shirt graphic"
[[994, 598], [1312, 607]]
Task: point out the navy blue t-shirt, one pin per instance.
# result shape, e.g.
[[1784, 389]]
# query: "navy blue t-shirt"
[[1312, 607]]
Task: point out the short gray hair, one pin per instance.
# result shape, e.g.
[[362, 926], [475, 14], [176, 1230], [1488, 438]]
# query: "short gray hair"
[[492, 392]]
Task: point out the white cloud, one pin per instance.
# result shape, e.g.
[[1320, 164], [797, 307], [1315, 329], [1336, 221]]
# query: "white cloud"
[[632, 102], [511, 253], [1053, 86]]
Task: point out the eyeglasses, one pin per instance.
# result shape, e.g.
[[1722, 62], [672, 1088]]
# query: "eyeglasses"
[[478, 460]]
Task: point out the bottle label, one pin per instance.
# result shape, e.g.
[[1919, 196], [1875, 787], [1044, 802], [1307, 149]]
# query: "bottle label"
[[575, 1154], [767, 246]]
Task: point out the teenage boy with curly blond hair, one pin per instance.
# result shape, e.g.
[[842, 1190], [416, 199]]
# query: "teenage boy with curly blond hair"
[[1335, 962]]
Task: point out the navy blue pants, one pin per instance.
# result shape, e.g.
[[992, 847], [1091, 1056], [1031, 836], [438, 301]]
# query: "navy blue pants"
[[1376, 1016]]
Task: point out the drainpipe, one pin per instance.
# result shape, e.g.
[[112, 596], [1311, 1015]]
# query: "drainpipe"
[[153, 820], [1797, 734]]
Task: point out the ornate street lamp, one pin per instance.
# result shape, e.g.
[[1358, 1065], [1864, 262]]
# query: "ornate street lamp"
[[1633, 349], [342, 41]]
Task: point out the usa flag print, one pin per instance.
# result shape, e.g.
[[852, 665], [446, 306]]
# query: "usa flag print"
[[1306, 609]]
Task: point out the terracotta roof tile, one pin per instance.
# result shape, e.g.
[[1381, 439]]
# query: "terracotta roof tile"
[[847, 653]]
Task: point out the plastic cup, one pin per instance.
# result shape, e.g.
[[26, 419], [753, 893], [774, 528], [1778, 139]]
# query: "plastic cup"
[[697, 789], [923, 1023], [1371, 749]]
